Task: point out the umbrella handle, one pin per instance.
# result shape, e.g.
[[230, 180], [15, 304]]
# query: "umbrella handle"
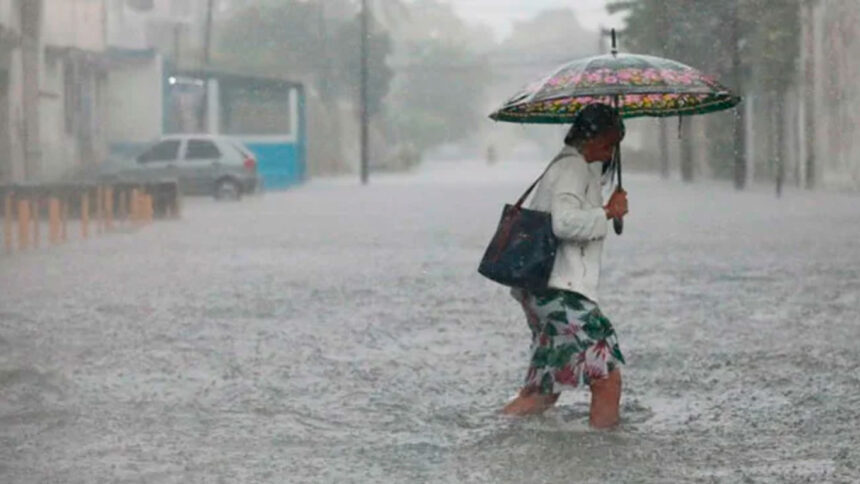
[[618, 223]]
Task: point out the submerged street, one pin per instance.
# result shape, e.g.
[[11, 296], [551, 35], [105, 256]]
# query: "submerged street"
[[338, 333]]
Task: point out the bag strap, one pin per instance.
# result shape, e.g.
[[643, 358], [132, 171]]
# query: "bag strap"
[[528, 192]]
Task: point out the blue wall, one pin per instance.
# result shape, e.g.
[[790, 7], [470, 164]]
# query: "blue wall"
[[279, 163]]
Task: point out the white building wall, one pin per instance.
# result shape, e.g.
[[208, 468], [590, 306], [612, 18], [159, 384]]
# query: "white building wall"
[[12, 124], [75, 23], [11, 113], [126, 27], [59, 148], [837, 42], [74, 33], [135, 93], [10, 17]]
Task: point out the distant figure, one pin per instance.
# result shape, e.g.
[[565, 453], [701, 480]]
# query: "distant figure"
[[491, 155], [573, 343]]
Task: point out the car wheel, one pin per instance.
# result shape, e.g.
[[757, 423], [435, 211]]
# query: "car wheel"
[[228, 189]]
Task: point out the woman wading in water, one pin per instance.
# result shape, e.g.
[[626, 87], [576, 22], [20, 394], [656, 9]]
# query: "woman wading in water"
[[573, 343]]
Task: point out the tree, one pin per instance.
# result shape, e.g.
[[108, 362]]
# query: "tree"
[[440, 99], [695, 32], [290, 38], [347, 75], [438, 95], [751, 44], [774, 52]]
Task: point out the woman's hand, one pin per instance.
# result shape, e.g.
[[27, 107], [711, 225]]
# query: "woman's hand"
[[617, 206]]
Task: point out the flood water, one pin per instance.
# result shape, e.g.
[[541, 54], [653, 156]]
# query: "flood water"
[[337, 333]]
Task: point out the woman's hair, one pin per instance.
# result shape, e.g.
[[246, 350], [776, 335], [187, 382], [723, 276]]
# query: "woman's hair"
[[592, 121]]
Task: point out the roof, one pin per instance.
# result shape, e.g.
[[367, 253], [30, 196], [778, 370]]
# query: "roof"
[[234, 77]]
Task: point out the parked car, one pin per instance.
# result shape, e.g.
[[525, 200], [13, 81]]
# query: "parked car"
[[210, 165], [204, 165]]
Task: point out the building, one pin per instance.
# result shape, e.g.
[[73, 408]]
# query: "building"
[[52, 87], [19, 33], [81, 80], [159, 82], [832, 36], [73, 87]]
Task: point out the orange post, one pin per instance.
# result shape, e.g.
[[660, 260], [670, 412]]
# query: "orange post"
[[123, 206], [36, 215], [100, 213], [108, 204], [134, 206], [54, 220], [23, 224], [7, 223], [144, 218], [85, 214], [64, 219], [150, 209]]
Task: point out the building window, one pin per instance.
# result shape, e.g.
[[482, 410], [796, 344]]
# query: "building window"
[[255, 110]]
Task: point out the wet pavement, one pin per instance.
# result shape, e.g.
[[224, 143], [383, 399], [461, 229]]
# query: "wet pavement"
[[337, 333]]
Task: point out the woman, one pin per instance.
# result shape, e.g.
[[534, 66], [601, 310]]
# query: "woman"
[[572, 342]]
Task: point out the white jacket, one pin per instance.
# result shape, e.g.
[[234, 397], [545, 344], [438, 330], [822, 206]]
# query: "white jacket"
[[571, 192]]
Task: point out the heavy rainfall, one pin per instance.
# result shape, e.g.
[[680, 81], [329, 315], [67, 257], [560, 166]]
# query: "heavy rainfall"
[[241, 241]]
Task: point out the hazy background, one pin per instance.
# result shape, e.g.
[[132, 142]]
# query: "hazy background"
[[332, 331]]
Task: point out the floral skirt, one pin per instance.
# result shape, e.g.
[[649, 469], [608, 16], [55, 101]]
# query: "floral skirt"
[[573, 343]]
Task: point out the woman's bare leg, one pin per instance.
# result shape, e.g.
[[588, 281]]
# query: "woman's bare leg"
[[605, 399], [530, 403]]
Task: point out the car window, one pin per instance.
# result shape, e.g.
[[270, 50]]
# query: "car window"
[[199, 149], [164, 151]]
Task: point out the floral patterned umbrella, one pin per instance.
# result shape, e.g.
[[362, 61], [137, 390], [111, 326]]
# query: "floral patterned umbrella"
[[638, 85], [644, 86]]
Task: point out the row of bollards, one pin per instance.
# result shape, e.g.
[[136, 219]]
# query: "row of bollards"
[[97, 208]]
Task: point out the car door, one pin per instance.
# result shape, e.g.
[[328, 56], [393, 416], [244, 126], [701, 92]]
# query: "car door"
[[202, 164], [160, 160]]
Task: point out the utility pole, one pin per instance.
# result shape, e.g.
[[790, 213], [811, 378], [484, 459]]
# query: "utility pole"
[[365, 115], [207, 39]]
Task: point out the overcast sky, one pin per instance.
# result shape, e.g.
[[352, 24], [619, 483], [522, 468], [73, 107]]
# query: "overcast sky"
[[500, 14]]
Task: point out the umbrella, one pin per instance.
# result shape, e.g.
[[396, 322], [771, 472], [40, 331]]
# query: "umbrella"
[[637, 85]]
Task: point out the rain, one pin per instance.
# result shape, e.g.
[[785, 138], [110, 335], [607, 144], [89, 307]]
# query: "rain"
[[241, 239]]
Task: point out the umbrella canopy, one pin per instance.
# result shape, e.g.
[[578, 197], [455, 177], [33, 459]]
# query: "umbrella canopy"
[[645, 86], [637, 85]]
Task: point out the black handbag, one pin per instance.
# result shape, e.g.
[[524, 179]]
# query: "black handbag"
[[522, 252]]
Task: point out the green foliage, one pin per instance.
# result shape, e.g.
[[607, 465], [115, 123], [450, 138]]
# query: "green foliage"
[[773, 36], [699, 32], [314, 41], [702, 33], [347, 74], [440, 98]]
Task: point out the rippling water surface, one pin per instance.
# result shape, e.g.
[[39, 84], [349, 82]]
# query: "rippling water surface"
[[336, 333]]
